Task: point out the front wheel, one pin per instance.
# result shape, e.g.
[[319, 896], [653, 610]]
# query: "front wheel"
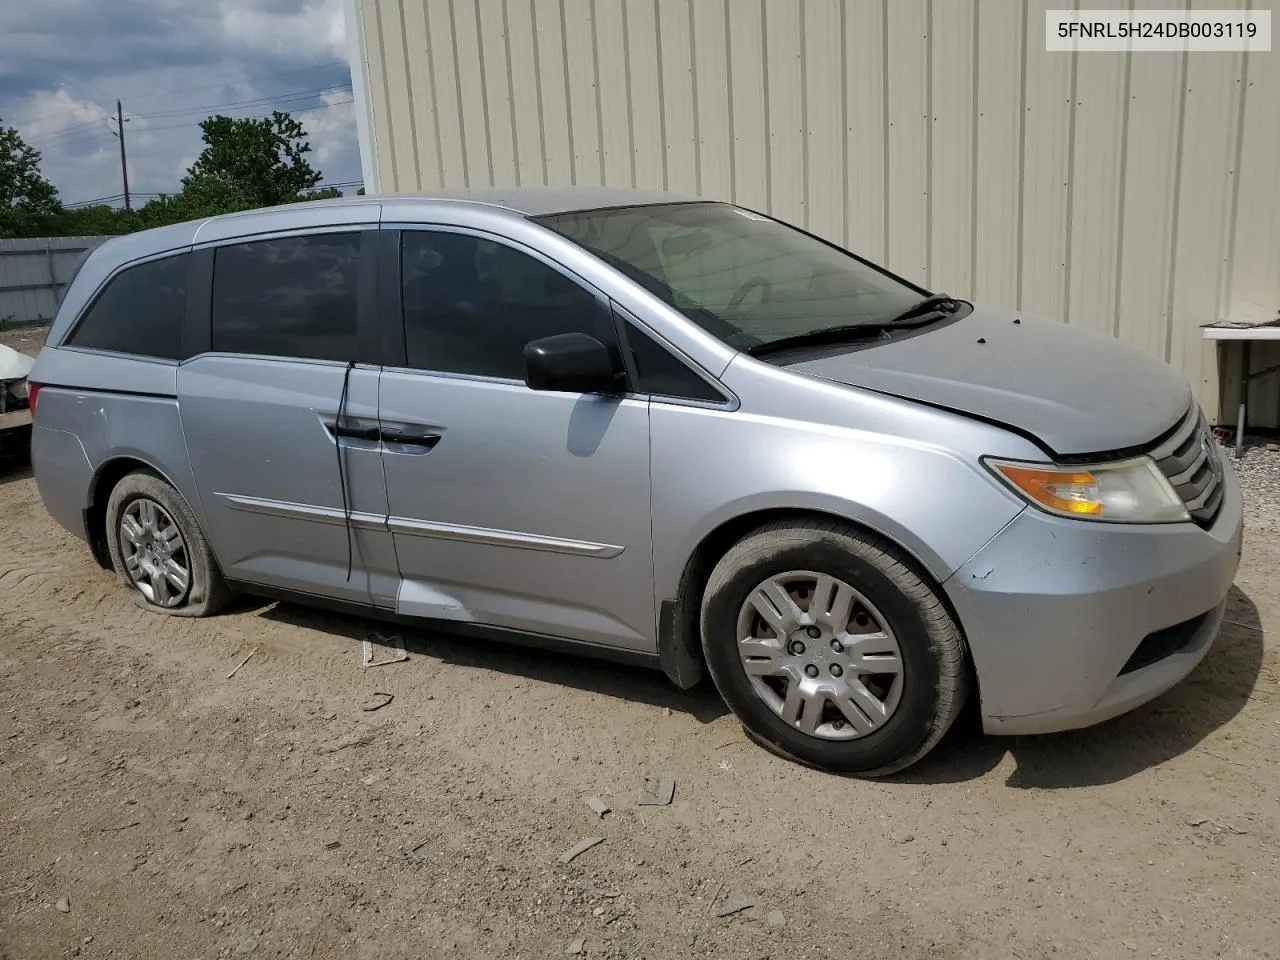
[[831, 649], [159, 551]]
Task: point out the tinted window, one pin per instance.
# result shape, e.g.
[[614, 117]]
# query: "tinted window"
[[471, 305], [288, 297], [139, 312], [659, 372]]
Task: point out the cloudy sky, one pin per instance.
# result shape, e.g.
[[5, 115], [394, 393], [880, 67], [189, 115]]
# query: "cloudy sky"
[[172, 63]]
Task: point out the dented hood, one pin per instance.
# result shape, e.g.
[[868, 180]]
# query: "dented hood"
[[1076, 392], [14, 365]]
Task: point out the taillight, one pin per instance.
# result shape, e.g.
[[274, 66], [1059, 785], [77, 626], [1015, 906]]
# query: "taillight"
[[33, 391]]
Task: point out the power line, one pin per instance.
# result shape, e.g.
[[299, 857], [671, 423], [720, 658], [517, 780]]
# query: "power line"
[[265, 76], [80, 137], [101, 200], [54, 137], [78, 134], [95, 137], [93, 202], [107, 201], [38, 137], [171, 93], [265, 116], [257, 101]]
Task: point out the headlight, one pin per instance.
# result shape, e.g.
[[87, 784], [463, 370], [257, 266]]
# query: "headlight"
[[1126, 491], [17, 389]]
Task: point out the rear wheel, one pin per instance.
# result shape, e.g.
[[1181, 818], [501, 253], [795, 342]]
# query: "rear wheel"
[[831, 648], [159, 551]]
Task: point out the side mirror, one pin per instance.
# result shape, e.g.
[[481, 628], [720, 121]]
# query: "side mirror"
[[569, 362]]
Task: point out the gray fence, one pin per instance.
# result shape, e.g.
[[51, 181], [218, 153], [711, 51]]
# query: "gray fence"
[[34, 273]]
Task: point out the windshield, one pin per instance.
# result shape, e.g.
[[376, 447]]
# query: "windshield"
[[743, 277]]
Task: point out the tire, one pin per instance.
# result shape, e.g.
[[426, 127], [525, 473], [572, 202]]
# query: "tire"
[[141, 495], [15, 446], [867, 716]]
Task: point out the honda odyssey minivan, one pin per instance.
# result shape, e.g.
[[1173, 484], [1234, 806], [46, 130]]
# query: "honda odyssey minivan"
[[658, 430]]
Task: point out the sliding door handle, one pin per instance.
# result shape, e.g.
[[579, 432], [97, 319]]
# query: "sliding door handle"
[[358, 433], [353, 428], [411, 436]]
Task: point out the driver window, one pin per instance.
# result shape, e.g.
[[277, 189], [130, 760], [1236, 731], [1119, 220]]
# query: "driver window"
[[471, 304]]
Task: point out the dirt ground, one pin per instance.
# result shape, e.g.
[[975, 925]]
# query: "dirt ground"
[[175, 812]]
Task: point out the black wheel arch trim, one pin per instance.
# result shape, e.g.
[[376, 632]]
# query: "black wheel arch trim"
[[95, 508]]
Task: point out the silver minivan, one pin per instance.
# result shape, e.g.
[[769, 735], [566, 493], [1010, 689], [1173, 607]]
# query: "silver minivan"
[[658, 430]]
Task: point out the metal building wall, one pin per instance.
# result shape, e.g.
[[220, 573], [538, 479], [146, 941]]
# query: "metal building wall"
[[35, 272], [1137, 194]]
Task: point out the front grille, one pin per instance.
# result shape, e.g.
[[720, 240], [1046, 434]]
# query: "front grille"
[[1163, 643], [1189, 457]]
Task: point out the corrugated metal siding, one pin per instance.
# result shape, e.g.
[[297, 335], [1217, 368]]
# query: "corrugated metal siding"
[[34, 273], [1134, 194]]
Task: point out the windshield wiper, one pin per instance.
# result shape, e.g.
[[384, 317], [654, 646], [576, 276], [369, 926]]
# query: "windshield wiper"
[[934, 303], [919, 314], [849, 333]]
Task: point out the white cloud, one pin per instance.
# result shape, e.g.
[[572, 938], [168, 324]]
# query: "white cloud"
[[329, 129], [79, 155], [317, 27], [57, 114]]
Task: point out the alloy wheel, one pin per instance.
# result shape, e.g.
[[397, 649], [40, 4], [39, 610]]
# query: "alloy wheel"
[[154, 552]]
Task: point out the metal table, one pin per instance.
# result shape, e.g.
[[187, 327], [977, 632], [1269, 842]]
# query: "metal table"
[[1247, 331]]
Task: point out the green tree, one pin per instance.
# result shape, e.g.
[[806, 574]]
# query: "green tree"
[[248, 162], [162, 211], [26, 197], [92, 221]]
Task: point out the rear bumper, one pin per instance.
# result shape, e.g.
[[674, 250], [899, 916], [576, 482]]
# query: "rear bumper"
[[1056, 611]]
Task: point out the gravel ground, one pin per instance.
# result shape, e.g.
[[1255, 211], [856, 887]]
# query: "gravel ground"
[[1259, 471], [24, 339]]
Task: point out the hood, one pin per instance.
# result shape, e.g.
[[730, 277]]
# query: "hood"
[[14, 365], [1077, 392]]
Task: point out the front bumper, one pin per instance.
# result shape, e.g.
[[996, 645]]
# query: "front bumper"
[[1055, 611], [15, 419]]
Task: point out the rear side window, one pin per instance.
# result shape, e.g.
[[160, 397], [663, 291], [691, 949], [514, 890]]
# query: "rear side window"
[[658, 372], [139, 312], [288, 297], [471, 305]]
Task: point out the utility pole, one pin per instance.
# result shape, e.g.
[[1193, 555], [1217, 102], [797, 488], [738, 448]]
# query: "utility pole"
[[124, 168]]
